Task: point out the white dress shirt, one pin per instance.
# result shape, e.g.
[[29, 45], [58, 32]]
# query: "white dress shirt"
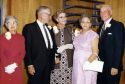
[[107, 22], [105, 25], [44, 34]]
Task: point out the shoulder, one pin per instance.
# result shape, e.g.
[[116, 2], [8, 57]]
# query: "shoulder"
[[116, 23], [20, 36], [2, 35], [93, 34], [2, 40], [69, 28], [30, 25], [117, 26]]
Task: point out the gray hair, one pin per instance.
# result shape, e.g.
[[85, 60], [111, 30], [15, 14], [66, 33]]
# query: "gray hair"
[[8, 18], [85, 16], [107, 7], [41, 8]]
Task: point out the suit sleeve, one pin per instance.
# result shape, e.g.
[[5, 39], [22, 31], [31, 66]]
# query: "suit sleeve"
[[27, 35], [118, 45]]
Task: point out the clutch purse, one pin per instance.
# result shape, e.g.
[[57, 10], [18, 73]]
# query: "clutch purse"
[[96, 65]]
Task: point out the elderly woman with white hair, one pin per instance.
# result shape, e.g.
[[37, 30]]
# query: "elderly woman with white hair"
[[12, 51]]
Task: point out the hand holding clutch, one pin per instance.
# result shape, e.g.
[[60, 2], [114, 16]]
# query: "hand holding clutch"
[[95, 65]]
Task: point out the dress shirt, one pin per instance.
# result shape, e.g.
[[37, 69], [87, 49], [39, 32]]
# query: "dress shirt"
[[44, 34], [107, 22]]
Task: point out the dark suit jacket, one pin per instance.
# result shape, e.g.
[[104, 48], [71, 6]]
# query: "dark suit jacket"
[[111, 46], [36, 52]]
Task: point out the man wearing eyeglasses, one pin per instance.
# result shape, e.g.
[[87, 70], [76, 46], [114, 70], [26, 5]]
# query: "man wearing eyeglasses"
[[40, 48]]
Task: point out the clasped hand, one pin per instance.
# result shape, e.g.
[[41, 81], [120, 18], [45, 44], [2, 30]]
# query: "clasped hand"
[[64, 47]]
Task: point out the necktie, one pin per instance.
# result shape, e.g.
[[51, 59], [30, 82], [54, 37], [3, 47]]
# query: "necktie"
[[47, 36], [102, 30]]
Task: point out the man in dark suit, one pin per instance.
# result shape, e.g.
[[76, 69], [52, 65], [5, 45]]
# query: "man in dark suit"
[[111, 46], [40, 48]]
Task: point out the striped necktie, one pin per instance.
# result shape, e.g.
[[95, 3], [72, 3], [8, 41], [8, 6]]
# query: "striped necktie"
[[47, 36], [102, 30]]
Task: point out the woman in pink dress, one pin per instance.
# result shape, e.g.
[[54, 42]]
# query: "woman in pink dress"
[[86, 49], [12, 51]]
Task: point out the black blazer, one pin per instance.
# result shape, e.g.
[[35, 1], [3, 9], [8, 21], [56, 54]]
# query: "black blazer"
[[36, 52], [111, 46]]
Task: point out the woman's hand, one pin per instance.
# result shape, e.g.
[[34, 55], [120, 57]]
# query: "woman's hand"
[[92, 58], [57, 61]]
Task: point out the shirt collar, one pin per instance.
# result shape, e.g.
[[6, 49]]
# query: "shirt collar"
[[108, 21], [39, 23]]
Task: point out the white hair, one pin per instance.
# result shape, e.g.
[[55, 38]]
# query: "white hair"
[[8, 18], [106, 7]]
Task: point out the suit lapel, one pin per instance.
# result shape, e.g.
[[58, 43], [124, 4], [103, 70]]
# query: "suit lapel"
[[39, 32], [107, 30], [110, 23]]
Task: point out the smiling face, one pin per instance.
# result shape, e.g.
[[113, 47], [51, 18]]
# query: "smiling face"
[[105, 13], [85, 23], [62, 19]]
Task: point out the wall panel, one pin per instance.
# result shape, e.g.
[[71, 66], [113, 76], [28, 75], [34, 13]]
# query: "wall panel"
[[118, 9], [24, 10]]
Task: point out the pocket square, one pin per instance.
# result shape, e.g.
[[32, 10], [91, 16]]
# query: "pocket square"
[[109, 33]]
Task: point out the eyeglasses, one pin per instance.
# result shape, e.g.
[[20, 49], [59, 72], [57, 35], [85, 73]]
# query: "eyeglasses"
[[62, 17], [46, 13], [85, 22]]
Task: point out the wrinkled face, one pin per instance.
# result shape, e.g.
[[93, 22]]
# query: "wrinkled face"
[[105, 14], [62, 19], [45, 15], [12, 25], [85, 23]]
